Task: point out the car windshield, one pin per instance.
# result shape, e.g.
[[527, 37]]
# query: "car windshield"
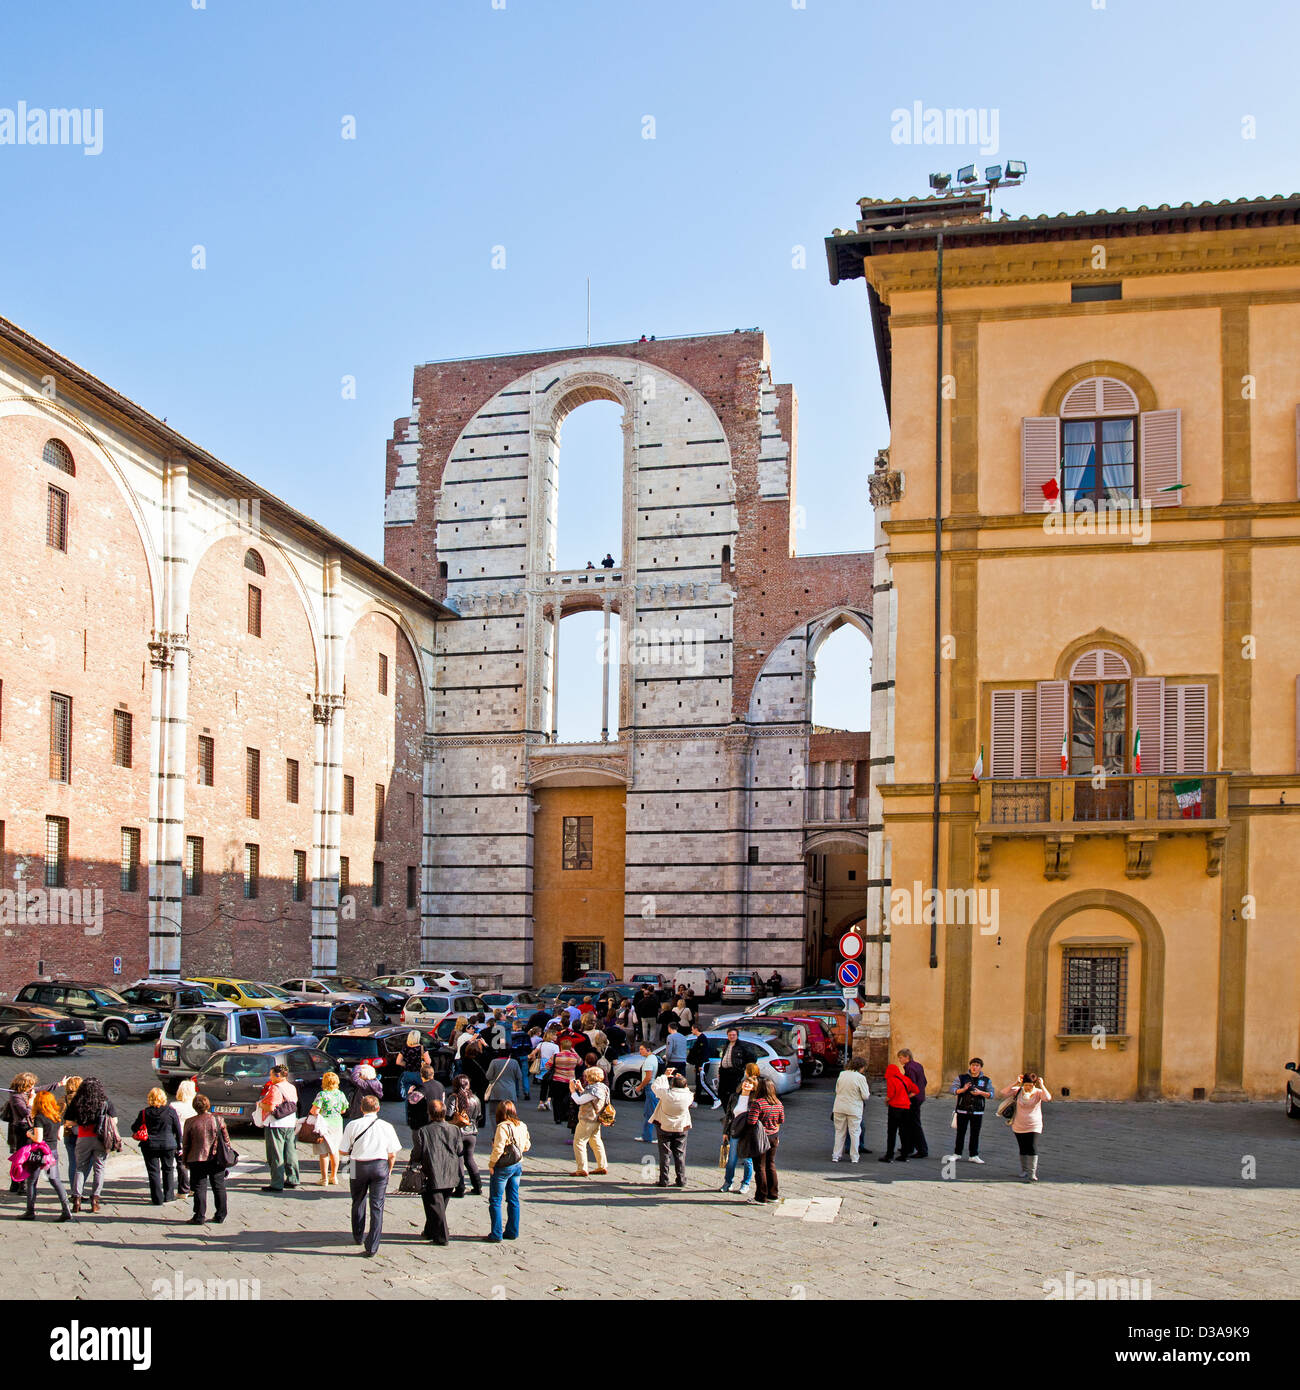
[[740, 980], [259, 989], [780, 1045], [106, 997], [344, 1045], [237, 1066]]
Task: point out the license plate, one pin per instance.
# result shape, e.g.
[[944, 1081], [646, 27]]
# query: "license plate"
[[226, 1109], [76, 1037], [170, 1054]]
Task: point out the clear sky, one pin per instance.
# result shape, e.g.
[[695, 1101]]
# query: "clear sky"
[[482, 124]]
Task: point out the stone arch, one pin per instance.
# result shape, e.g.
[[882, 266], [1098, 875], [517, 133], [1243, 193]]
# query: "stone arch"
[[1100, 637], [1151, 1004], [837, 842], [59, 417], [1121, 371], [793, 657], [404, 630], [822, 626]]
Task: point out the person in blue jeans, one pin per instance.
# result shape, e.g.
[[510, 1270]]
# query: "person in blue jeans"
[[649, 1069], [737, 1104], [511, 1137]]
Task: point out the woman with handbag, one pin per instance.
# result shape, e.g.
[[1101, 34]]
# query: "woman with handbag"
[[509, 1145], [464, 1111], [365, 1082], [43, 1155], [183, 1105], [17, 1114], [158, 1132], [505, 1081], [90, 1108], [434, 1169], [735, 1125], [590, 1096], [1025, 1116], [71, 1085], [768, 1114], [328, 1110], [207, 1150]]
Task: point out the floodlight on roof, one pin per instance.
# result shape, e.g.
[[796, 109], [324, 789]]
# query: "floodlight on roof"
[[967, 174], [1016, 169], [993, 174], [940, 182]]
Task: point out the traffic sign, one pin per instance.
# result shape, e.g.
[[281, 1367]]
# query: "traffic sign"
[[117, 965], [850, 973], [851, 945]]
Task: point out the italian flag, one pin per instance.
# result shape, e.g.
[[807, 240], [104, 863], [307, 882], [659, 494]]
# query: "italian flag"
[[1189, 798], [979, 766], [1137, 751], [1065, 755]]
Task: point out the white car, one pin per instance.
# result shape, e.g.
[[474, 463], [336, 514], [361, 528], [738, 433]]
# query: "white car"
[[777, 1061], [327, 992], [418, 981], [701, 978], [428, 1010]]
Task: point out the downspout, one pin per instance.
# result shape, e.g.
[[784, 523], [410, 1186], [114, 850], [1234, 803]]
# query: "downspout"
[[938, 594]]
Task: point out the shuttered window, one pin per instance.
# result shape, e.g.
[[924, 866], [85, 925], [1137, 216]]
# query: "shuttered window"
[[207, 760], [349, 794], [1148, 717], [193, 866], [60, 737], [1015, 734], [299, 875], [1186, 731], [252, 869], [1161, 435], [254, 611], [1040, 462], [291, 780], [379, 811], [413, 808], [1050, 712], [56, 851], [377, 884], [122, 737], [130, 869], [252, 783]]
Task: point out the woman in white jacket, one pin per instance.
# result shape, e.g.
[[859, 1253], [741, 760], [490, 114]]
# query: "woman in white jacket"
[[851, 1092]]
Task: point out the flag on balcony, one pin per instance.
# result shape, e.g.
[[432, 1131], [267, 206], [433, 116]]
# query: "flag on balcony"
[[1065, 755], [979, 766], [1189, 798], [1137, 752]]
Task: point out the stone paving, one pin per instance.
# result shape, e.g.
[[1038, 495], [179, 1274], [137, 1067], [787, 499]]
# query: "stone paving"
[[1199, 1199]]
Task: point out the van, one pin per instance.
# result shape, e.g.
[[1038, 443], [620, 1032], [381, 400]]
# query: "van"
[[702, 979]]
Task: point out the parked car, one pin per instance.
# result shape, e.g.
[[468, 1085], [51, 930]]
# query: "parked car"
[[655, 981], [777, 1061], [410, 982], [167, 995], [233, 1078], [316, 1020], [350, 1047], [742, 987], [28, 1028], [424, 1010], [1292, 1099], [523, 1000], [811, 1039], [318, 990], [701, 978], [548, 994], [594, 977], [103, 1011], [193, 1035], [828, 1010], [390, 1000], [248, 994]]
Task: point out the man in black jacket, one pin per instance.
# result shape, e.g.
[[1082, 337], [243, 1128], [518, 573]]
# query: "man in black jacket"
[[731, 1065], [436, 1149], [698, 1057], [646, 1008]]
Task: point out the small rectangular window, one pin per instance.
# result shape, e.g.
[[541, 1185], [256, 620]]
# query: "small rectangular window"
[[379, 812], [299, 875], [207, 760], [254, 611], [60, 737], [122, 738], [56, 520], [349, 794], [412, 887], [753, 854], [193, 866], [1091, 294], [130, 859], [252, 869], [252, 783], [383, 674], [291, 780], [377, 885], [577, 842], [345, 876], [56, 851]]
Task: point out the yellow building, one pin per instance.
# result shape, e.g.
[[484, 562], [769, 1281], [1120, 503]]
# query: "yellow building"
[[1118, 636]]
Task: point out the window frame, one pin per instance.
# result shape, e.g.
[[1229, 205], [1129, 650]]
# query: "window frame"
[[1119, 956], [129, 867], [1098, 495], [64, 752], [577, 853], [123, 738], [58, 510]]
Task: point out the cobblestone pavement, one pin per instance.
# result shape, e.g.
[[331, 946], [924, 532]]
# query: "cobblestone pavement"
[[1199, 1199]]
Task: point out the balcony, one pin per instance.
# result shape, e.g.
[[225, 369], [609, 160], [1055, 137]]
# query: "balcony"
[[1058, 810], [582, 579]]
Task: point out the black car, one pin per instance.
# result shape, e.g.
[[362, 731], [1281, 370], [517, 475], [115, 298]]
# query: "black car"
[[317, 1019], [103, 1010], [169, 995], [350, 1047], [234, 1078], [28, 1028]]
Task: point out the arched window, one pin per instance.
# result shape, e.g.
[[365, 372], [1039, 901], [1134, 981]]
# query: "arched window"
[[1099, 420], [253, 561], [1100, 712], [589, 503], [57, 454]]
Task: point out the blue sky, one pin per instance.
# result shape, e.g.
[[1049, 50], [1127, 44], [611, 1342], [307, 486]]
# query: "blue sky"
[[523, 127]]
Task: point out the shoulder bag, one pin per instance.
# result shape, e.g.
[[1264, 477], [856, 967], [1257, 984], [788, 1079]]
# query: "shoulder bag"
[[414, 1178], [511, 1153], [1007, 1110], [106, 1133], [607, 1114], [226, 1154]]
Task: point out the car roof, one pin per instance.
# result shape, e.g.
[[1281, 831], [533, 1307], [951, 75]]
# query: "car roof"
[[268, 1048]]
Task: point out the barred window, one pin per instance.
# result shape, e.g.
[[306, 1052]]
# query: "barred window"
[[1094, 986], [345, 876], [299, 875], [577, 842], [254, 611], [56, 520], [383, 674], [60, 737], [377, 885], [252, 869], [349, 794], [193, 866], [412, 887], [56, 851], [291, 780], [122, 737], [253, 561], [57, 454], [207, 760], [379, 811], [130, 859], [252, 783]]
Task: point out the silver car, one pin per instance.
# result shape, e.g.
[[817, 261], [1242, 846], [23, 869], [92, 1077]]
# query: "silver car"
[[777, 1061], [321, 991]]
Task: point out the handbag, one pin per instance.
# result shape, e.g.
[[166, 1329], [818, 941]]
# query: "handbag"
[[459, 1116], [413, 1180], [511, 1153], [226, 1155], [607, 1115], [1007, 1110], [141, 1134], [310, 1132], [106, 1133], [952, 1124]]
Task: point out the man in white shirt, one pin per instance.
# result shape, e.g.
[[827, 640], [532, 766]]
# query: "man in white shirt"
[[372, 1145], [672, 1122], [547, 1051], [648, 1070]]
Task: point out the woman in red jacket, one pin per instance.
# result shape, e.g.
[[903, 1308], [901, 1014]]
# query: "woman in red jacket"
[[899, 1090]]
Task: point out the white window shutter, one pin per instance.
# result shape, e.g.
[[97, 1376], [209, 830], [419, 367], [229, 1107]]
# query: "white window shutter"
[[1014, 735], [1050, 719], [1149, 716], [1187, 729], [1162, 456], [1040, 459]]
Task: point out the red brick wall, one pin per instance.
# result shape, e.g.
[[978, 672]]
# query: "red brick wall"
[[76, 623]]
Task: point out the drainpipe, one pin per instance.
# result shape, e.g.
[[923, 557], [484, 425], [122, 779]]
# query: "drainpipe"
[[938, 594]]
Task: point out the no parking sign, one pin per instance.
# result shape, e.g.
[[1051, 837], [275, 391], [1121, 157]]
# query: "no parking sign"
[[850, 973]]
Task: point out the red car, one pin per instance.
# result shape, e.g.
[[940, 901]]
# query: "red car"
[[817, 1049]]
